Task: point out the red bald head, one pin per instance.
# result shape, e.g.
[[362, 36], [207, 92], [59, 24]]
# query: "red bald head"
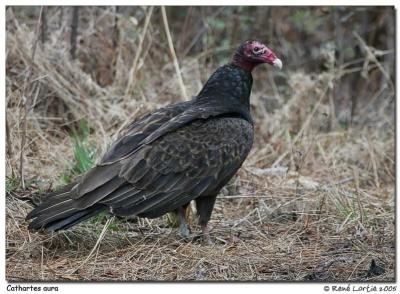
[[252, 53]]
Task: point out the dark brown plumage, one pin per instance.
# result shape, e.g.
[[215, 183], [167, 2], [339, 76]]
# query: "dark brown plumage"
[[183, 152]]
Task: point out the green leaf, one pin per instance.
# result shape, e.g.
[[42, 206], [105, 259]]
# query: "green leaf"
[[84, 152]]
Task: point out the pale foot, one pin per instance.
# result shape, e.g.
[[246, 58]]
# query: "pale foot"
[[206, 235]]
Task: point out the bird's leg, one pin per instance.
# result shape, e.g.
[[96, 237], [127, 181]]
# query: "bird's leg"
[[183, 226], [205, 205], [206, 234]]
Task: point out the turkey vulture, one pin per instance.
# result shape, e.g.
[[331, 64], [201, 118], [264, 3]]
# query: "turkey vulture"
[[182, 152]]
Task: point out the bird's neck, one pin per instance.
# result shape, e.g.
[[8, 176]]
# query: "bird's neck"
[[228, 84], [239, 61]]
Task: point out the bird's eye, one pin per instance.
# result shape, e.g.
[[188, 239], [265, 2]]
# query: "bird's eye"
[[257, 50]]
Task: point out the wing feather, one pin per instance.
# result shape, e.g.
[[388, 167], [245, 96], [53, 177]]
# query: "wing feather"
[[197, 161]]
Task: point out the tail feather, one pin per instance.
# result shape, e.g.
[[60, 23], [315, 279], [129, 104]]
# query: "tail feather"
[[50, 206], [62, 211], [43, 220], [54, 221], [74, 219], [50, 201]]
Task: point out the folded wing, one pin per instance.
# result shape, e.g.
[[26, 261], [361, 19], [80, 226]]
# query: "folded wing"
[[154, 168]]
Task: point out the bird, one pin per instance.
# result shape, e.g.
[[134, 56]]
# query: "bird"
[[167, 158]]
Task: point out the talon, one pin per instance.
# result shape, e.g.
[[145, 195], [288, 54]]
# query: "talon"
[[184, 231]]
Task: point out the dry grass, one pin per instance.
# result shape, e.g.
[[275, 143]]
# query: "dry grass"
[[324, 211]]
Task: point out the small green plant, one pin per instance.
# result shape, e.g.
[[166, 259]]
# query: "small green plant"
[[83, 152], [101, 219], [12, 184], [349, 207]]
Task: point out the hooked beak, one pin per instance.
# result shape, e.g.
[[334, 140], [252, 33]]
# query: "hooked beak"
[[277, 63], [270, 57]]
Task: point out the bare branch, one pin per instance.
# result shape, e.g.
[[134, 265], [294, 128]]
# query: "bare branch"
[[74, 30], [26, 99], [132, 73], [172, 51]]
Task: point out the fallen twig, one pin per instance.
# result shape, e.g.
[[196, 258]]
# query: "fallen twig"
[[103, 232]]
